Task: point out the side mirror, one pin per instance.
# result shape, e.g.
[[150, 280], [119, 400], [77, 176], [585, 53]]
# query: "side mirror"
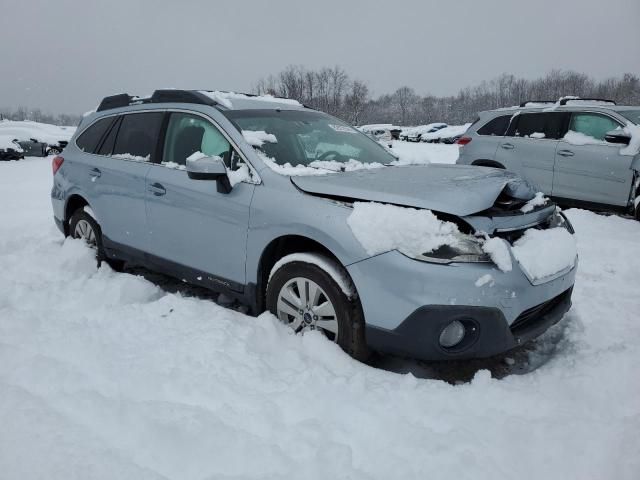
[[617, 136], [200, 167]]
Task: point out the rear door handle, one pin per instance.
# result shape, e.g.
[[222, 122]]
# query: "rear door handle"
[[157, 189], [565, 153], [507, 146], [95, 173]]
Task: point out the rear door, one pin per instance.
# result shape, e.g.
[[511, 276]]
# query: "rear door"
[[118, 174], [191, 224], [589, 169], [530, 146]]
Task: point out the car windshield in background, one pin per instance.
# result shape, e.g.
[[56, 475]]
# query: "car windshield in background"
[[633, 115], [305, 137]]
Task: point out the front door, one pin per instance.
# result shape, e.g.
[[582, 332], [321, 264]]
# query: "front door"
[[589, 169], [190, 223]]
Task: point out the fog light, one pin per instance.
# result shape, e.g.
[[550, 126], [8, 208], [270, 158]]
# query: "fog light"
[[452, 334]]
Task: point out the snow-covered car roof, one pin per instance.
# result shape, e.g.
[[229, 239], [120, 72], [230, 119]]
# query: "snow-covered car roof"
[[422, 129], [447, 132], [8, 141]]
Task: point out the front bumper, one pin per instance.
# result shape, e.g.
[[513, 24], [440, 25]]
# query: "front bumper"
[[407, 303]]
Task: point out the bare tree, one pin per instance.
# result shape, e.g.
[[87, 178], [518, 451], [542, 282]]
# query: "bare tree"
[[356, 101]]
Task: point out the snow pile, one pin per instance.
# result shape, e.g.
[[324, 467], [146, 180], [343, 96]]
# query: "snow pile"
[[241, 174], [257, 138], [8, 141], [537, 135], [226, 98], [537, 201], [380, 228], [634, 145], [174, 165], [43, 132], [128, 156], [498, 250], [542, 253], [109, 376], [577, 138]]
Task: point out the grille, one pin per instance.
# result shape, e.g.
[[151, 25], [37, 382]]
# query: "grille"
[[530, 317]]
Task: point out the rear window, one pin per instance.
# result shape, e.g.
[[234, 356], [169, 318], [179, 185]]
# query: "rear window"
[[138, 136], [91, 137], [497, 126]]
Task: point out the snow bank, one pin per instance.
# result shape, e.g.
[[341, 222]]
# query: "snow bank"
[[380, 228], [43, 132], [542, 253], [498, 250], [226, 98], [537, 201]]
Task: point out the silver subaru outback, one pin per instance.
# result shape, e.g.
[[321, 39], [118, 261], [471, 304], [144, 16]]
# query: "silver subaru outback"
[[290, 210], [579, 151]]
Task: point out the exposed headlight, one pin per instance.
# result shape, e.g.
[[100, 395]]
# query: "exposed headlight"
[[467, 248]]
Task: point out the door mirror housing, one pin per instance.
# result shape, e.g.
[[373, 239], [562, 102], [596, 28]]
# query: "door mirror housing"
[[617, 136], [201, 167]]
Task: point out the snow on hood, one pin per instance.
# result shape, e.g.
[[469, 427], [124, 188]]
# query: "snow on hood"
[[8, 141], [455, 189]]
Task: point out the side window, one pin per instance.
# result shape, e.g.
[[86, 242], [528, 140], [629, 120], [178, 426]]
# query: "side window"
[[592, 124], [188, 134], [110, 140], [88, 141], [531, 125], [497, 126], [137, 136]]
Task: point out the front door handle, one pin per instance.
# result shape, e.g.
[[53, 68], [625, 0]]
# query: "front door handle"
[[157, 189], [95, 173], [507, 146], [565, 153]]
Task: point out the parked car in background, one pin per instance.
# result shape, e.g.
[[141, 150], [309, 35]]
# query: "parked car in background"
[[414, 134], [383, 131], [449, 134], [10, 149], [290, 210], [37, 139], [582, 152]]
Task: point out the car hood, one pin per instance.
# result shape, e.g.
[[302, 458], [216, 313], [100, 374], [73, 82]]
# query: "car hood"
[[454, 189]]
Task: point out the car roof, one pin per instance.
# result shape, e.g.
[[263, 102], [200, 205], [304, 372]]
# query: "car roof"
[[553, 107]]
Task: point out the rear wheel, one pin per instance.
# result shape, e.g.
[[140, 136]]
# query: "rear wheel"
[[305, 297], [83, 226]]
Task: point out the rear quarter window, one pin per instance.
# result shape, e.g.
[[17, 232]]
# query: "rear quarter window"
[[497, 126], [89, 139]]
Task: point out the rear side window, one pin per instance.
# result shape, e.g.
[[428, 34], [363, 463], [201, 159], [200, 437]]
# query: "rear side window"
[[138, 136], [110, 140], [540, 125], [90, 138], [497, 126]]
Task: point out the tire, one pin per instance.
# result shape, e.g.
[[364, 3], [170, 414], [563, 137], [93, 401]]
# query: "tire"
[[54, 151], [350, 331], [84, 226]]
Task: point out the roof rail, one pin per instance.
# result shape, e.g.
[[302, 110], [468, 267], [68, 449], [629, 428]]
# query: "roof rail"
[[525, 104], [159, 96], [564, 101]]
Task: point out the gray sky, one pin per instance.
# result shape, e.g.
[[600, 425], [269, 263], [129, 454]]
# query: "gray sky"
[[65, 55]]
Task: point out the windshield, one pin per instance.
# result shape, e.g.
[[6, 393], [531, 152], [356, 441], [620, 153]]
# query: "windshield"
[[633, 115], [306, 138]]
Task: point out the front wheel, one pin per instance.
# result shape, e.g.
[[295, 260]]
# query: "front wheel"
[[305, 297], [83, 226]]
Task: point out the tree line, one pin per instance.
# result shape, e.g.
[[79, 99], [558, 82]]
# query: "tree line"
[[333, 91]]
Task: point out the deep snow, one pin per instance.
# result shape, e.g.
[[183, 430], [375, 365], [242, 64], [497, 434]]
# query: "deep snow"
[[110, 376]]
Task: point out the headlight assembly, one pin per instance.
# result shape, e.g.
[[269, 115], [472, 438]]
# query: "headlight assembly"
[[466, 248]]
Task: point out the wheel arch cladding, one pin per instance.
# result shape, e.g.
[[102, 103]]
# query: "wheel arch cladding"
[[74, 202]]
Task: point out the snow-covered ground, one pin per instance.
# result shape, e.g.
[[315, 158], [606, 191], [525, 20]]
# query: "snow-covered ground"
[[112, 376]]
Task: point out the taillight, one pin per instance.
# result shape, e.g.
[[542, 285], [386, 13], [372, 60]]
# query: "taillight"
[[463, 141], [56, 163]]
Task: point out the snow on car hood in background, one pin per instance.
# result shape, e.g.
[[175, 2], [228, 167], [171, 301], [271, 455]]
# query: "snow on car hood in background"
[[455, 189]]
